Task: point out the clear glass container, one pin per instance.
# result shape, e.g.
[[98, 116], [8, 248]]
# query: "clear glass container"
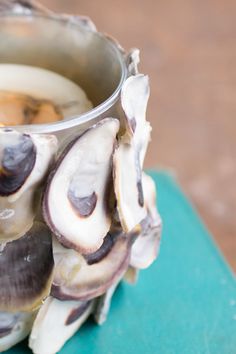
[[69, 46]]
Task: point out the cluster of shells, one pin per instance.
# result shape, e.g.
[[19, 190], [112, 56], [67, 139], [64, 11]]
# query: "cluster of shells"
[[74, 224]]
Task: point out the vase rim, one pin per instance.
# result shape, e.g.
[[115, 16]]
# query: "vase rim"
[[92, 114]]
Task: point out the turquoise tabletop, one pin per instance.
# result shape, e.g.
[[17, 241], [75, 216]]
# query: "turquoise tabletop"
[[185, 303]]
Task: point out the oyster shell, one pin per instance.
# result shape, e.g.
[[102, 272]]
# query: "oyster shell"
[[55, 323], [80, 183], [76, 279], [133, 60], [146, 246], [127, 177], [26, 267], [103, 305], [129, 156], [134, 98], [24, 163], [14, 327]]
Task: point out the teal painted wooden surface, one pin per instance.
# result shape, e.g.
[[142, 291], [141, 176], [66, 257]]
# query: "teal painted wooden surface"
[[185, 303]]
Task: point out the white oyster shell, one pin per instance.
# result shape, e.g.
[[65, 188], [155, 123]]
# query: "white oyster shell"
[[18, 209], [146, 247], [14, 327], [76, 201], [55, 323]]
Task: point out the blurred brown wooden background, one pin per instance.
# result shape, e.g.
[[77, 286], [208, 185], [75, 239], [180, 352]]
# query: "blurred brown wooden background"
[[189, 50]]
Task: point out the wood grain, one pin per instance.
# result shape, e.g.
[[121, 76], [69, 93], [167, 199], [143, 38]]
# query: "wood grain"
[[189, 50]]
